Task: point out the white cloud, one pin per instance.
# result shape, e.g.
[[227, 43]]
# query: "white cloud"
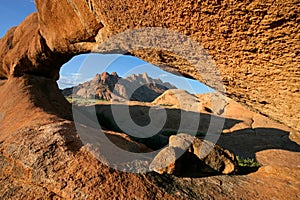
[[71, 79], [76, 74], [163, 75], [65, 81]]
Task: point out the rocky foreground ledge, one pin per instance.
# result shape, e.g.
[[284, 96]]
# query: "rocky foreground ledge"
[[41, 156]]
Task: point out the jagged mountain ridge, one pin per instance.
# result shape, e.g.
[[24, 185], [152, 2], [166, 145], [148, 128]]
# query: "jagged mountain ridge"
[[136, 87]]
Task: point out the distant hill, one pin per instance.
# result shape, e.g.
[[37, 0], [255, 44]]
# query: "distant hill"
[[182, 99], [107, 86], [178, 98]]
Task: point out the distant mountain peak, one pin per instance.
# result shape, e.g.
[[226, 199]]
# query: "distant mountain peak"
[[137, 87]]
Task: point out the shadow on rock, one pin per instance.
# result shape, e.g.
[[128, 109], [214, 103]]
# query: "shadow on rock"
[[177, 120], [246, 143]]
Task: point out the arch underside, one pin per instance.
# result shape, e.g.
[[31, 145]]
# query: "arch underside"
[[255, 45]]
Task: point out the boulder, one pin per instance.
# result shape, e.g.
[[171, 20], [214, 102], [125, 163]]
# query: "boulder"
[[164, 161], [219, 159], [186, 152], [181, 140]]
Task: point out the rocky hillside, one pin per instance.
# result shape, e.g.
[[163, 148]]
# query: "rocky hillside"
[[107, 86]]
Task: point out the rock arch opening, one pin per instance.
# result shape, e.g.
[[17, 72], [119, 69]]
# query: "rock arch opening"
[[106, 79], [84, 68]]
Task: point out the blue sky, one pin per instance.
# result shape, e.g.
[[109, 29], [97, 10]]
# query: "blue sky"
[[83, 67], [13, 12]]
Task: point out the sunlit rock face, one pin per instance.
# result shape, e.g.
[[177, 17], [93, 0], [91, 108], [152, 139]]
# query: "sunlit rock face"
[[254, 44], [108, 87]]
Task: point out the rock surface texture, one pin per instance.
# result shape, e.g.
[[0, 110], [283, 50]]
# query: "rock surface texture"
[[254, 44], [41, 155]]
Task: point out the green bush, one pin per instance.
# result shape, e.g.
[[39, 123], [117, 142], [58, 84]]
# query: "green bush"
[[247, 162]]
